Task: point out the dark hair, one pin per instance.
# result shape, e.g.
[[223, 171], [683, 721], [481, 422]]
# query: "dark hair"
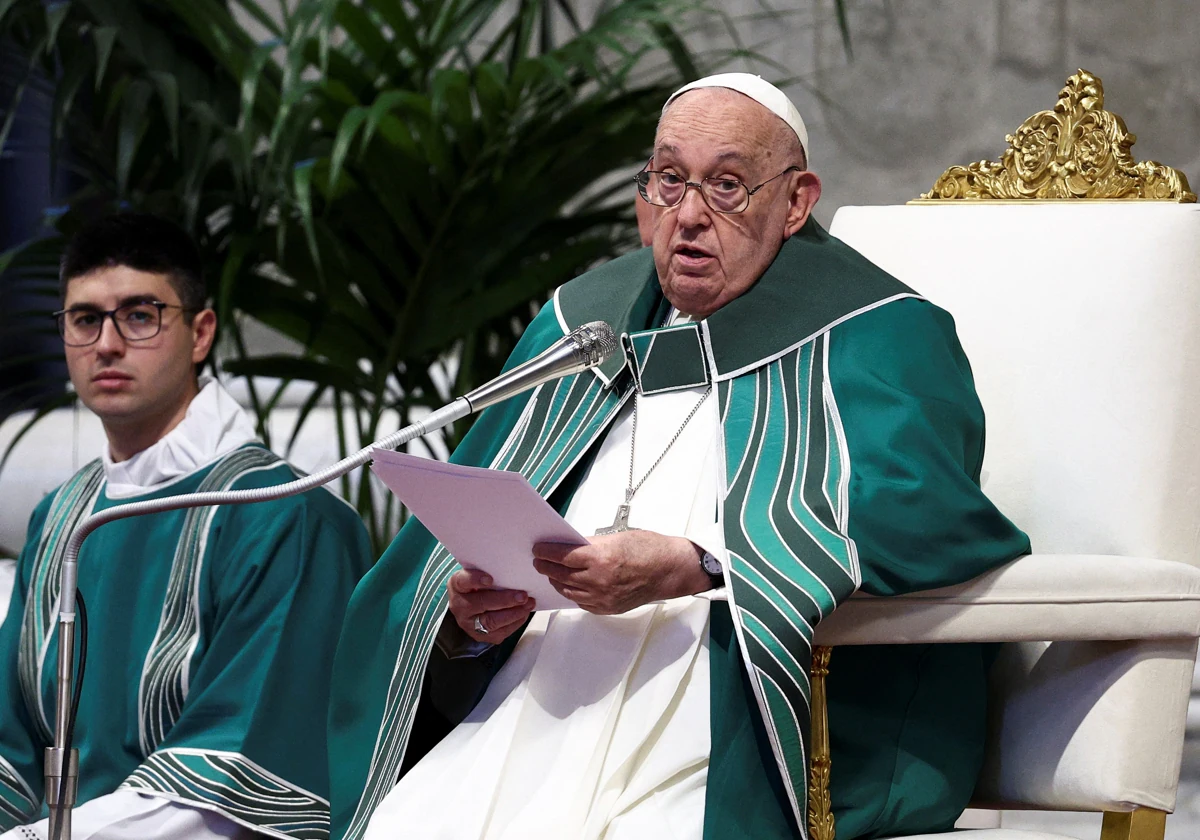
[[140, 241]]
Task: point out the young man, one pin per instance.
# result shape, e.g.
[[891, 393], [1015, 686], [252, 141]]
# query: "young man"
[[211, 630]]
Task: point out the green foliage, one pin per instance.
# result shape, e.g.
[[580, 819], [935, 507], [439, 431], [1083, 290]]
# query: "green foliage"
[[392, 185]]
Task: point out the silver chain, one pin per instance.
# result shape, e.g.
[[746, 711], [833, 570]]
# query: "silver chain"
[[633, 488]]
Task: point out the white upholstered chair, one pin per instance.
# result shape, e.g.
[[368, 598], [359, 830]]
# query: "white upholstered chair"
[[1082, 323], [8, 573]]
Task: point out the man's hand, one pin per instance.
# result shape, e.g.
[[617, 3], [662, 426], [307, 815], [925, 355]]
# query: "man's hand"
[[618, 572], [502, 612]]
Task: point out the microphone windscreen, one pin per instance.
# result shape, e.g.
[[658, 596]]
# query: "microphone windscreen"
[[594, 342]]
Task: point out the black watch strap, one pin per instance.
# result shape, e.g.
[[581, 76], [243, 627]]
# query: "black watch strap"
[[712, 567]]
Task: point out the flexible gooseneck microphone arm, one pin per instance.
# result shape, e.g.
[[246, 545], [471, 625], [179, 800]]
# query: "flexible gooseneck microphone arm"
[[585, 347]]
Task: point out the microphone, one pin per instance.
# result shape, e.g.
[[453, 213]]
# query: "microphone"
[[584, 347]]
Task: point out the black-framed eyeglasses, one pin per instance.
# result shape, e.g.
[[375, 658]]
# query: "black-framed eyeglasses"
[[723, 195], [81, 326]]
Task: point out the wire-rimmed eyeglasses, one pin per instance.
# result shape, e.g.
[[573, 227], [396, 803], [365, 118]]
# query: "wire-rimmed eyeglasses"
[[723, 195], [81, 325]]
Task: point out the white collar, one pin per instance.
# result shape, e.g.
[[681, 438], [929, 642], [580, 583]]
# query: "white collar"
[[213, 426]]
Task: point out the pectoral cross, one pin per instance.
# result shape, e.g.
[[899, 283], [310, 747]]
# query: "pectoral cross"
[[621, 521]]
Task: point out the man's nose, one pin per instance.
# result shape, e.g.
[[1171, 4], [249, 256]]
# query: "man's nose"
[[693, 211], [110, 342]]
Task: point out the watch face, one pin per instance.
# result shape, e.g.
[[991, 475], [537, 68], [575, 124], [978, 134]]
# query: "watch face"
[[711, 564]]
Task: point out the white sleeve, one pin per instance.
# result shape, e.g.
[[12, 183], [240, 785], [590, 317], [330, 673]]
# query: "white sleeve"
[[702, 527], [128, 815]]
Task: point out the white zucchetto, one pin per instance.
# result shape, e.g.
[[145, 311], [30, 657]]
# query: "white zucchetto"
[[762, 92]]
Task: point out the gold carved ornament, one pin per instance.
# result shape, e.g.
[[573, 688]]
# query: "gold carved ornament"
[[820, 809], [1077, 150]]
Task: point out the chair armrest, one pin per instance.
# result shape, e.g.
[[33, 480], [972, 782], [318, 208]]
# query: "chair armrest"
[[1038, 597]]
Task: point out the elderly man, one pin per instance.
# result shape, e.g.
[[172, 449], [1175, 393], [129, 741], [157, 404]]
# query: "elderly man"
[[789, 424], [212, 631]]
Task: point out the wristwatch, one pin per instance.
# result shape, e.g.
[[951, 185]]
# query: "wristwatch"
[[713, 568]]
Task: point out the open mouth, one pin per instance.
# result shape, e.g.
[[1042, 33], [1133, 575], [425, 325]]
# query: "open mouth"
[[692, 253]]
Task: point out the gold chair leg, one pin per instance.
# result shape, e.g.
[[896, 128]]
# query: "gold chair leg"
[[1141, 824], [820, 810]]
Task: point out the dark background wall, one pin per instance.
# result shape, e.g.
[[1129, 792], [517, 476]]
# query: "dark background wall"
[[27, 186]]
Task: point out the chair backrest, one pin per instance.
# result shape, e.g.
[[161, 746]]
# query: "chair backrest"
[[1082, 324], [1080, 320], [8, 574]]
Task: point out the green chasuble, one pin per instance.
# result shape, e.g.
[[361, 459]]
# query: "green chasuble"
[[852, 441], [211, 634]]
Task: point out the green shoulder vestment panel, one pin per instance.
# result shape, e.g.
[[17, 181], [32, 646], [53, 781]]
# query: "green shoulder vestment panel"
[[788, 510]]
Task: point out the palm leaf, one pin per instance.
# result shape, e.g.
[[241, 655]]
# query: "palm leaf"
[[387, 185]]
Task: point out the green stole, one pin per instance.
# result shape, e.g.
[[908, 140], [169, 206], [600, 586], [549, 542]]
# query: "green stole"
[[784, 491], [205, 696]]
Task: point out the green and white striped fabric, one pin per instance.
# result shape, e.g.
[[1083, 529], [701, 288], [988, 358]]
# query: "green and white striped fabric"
[[851, 440], [211, 638], [791, 560], [72, 504], [785, 498]]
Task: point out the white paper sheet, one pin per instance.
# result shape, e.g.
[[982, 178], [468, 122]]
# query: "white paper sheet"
[[488, 519]]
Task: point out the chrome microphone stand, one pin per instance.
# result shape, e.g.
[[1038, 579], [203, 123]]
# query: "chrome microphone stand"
[[62, 762]]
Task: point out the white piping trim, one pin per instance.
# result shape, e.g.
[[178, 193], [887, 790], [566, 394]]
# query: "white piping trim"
[[706, 340], [800, 475], [562, 390], [207, 517], [258, 768], [769, 599], [843, 514], [385, 763], [636, 368], [768, 359], [745, 454], [649, 349], [735, 615], [798, 667], [399, 746], [583, 450], [799, 813], [52, 632], [586, 416], [835, 500], [25, 790], [562, 325], [508, 449], [801, 471], [755, 461], [722, 489]]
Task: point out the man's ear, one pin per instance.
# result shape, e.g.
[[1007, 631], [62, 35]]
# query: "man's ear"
[[204, 329], [646, 219], [804, 197]]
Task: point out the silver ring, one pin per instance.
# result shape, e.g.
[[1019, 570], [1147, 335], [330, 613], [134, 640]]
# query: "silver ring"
[[479, 628]]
